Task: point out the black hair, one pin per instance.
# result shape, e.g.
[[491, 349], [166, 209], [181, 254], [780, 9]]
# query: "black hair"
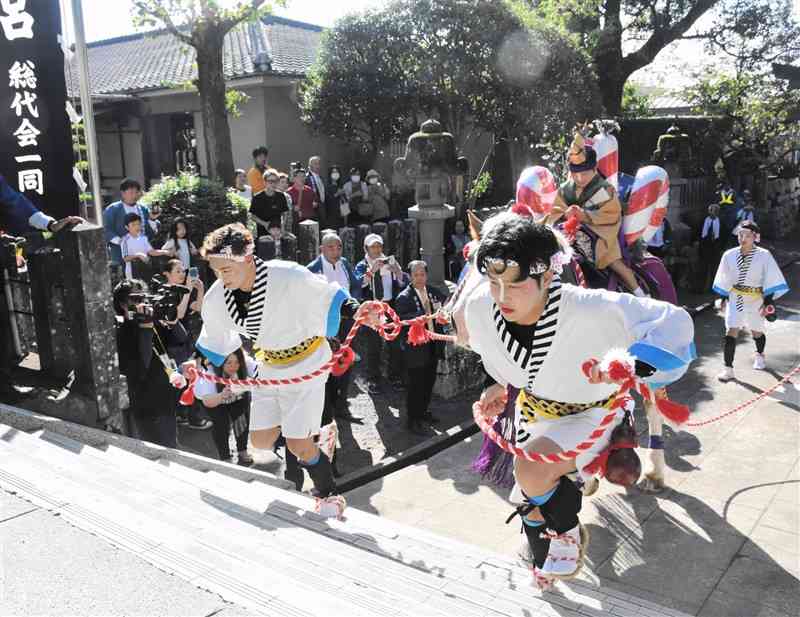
[[234, 235], [173, 230], [261, 150], [129, 183], [752, 226], [131, 217], [518, 238], [123, 291], [354, 171], [240, 374], [170, 265]]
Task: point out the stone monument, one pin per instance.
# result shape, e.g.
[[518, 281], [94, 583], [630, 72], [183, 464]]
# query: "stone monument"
[[429, 162]]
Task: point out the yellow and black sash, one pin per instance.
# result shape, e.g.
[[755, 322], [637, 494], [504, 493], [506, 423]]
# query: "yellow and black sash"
[[534, 408], [290, 355]]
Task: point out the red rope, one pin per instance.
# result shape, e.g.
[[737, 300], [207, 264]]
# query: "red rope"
[[752, 401], [389, 331]]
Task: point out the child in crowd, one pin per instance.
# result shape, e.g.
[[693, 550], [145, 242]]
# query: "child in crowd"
[[230, 406], [179, 245], [135, 245], [303, 197]]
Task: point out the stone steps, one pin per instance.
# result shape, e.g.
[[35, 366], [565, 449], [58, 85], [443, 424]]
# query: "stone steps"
[[260, 546]]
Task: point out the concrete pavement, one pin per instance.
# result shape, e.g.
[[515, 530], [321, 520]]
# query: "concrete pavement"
[[724, 540]]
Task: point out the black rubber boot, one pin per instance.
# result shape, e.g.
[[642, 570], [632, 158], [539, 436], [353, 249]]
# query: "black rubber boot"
[[322, 476]]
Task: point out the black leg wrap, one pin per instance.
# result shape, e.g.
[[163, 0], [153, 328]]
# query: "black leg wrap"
[[561, 510], [293, 472], [539, 546], [730, 350], [760, 342], [322, 476]]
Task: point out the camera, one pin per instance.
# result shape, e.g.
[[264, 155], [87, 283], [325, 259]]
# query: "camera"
[[162, 305]]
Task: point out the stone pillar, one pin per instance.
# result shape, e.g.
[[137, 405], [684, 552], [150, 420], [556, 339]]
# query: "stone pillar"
[[362, 231], [395, 244], [72, 300], [681, 233], [431, 230], [308, 242], [348, 236], [289, 247], [265, 248], [380, 229], [411, 239], [287, 221]]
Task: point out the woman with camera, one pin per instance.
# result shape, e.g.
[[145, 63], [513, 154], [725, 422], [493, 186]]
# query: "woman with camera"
[[187, 314], [230, 407]]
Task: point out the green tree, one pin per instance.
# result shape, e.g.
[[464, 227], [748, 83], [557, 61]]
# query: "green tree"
[[473, 66], [624, 36], [759, 113], [202, 25], [635, 104]]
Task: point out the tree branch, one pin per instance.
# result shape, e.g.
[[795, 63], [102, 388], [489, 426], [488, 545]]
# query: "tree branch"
[[156, 11], [662, 37]]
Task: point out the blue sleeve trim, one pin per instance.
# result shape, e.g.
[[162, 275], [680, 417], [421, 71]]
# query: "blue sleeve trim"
[[661, 359], [335, 312], [719, 291], [213, 357], [783, 287], [692, 352]]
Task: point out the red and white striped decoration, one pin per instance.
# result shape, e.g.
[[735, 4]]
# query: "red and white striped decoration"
[[537, 189], [647, 205], [607, 150]]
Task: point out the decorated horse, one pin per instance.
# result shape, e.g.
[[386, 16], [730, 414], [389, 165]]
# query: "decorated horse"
[[646, 202]]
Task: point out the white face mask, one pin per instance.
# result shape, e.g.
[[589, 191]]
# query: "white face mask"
[[355, 178], [373, 180], [334, 176]]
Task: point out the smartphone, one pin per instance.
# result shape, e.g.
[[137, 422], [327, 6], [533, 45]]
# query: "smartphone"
[[194, 273]]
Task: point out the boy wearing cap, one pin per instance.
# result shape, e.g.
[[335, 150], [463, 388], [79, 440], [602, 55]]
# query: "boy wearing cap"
[[749, 280], [380, 278]]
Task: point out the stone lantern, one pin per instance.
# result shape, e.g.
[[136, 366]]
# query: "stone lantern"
[[429, 163]]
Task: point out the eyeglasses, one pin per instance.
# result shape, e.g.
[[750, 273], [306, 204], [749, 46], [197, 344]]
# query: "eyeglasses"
[[271, 180]]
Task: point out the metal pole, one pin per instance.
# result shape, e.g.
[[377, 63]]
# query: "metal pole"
[[86, 107]]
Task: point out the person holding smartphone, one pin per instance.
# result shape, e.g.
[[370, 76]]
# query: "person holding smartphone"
[[380, 278]]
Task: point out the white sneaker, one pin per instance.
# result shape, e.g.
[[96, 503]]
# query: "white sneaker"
[[758, 362], [565, 552], [726, 374], [331, 506]]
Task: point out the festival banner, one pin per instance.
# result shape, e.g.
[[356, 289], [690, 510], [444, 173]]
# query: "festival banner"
[[36, 154]]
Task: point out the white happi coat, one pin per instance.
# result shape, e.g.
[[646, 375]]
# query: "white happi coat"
[[756, 269], [288, 305], [578, 324]]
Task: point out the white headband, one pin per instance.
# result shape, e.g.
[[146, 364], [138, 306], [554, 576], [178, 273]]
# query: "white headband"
[[226, 252]]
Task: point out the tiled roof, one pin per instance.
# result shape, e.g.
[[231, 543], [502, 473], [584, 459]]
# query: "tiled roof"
[[152, 60]]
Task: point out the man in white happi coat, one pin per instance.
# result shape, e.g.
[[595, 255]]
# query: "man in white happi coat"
[[287, 312], [749, 280], [534, 333]]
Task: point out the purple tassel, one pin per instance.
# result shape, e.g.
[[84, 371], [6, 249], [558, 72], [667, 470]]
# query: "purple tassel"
[[492, 463]]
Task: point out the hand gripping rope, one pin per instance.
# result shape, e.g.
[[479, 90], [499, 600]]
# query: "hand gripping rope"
[[342, 358]]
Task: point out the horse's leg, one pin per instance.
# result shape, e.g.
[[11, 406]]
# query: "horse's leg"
[[653, 481]]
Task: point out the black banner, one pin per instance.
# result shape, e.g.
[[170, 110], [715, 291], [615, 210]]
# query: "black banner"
[[35, 140]]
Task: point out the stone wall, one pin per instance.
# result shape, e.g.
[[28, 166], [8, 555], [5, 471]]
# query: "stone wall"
[[780, 217]]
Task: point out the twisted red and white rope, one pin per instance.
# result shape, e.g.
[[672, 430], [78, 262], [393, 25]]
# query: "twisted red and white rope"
[[750, 402], [389, 331]]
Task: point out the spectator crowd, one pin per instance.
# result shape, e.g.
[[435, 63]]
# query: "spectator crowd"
[[158, 301]]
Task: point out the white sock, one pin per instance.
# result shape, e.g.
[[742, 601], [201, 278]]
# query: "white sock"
[[639, 293]]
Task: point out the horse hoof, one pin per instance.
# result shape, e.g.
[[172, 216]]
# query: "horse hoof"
[[652, 484]]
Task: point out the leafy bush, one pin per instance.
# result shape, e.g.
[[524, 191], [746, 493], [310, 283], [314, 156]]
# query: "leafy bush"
[[205, 204]]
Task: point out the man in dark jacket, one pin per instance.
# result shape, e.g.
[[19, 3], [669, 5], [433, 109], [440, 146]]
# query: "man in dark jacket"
[[336, 269], [380, 278], [421, 361]]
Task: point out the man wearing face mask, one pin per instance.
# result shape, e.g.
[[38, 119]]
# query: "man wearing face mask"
[[356, 195], [378, 197]]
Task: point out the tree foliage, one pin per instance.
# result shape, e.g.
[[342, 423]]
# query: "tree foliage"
[[760, 113], [624, 36], [471, 65], [203, 24]]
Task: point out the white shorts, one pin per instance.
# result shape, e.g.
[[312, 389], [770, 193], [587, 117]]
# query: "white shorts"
[[297, 409], [749, 317], [568, 432]]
